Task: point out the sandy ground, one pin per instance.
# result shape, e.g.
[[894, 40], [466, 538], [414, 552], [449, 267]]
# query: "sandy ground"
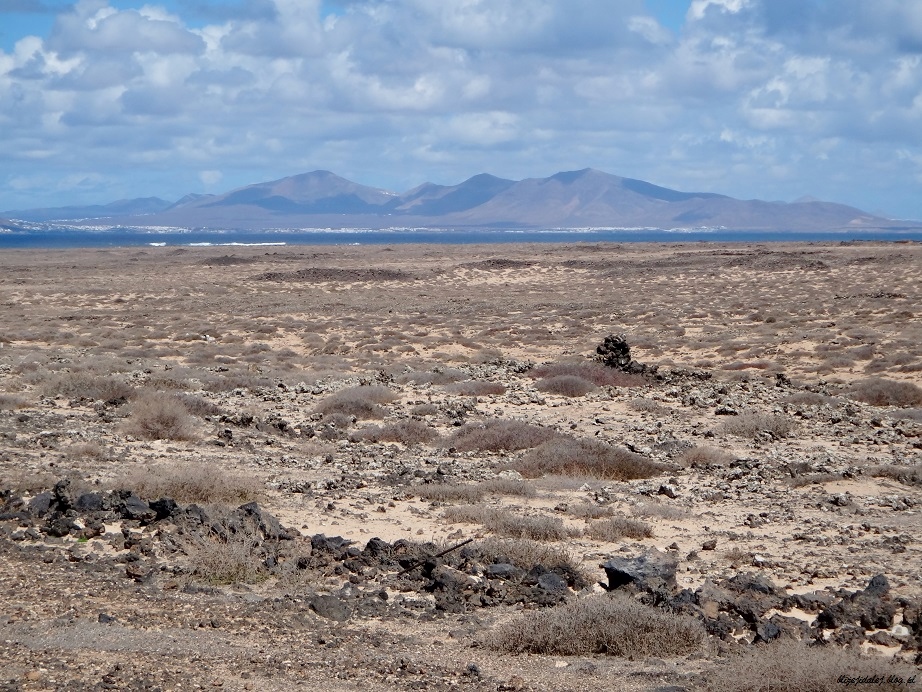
[[789, 335]]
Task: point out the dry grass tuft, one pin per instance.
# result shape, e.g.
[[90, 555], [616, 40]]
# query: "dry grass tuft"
[[654, 508], [596, 373], [234, 558], [787, 665], [158, 416], [476, 388], [508, 524], [499, 435], [566, 385], [602, 624], [616, 528], [11, 402], [705, 456], [752, 424], [406, 432], [907, 475], [525, 554], [567, 456], [75, 385], [450, 492], [361, 402], [200, 484], [878, 391]]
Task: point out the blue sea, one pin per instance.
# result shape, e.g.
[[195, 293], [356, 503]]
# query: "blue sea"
[[68, 238]]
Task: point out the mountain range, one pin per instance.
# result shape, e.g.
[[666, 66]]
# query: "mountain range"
[[575, 199]]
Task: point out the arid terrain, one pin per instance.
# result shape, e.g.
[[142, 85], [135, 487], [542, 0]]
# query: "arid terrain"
[[235, 467]]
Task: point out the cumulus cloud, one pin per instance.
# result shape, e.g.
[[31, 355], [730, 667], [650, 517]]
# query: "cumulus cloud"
[[754, 98]]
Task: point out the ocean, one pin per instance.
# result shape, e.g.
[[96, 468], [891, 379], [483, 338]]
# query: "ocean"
[[72, 239]]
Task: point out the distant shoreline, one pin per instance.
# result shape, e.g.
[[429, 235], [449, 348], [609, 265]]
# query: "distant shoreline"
[[70, 239]]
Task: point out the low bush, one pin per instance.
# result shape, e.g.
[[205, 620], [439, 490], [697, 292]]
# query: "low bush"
[[476, 388], [74, 385], [596, 373], [751, 424], [158, 416], [646, 406], [788, 665], [233, 558], [439, 376], [567, 456], [566, 385], [616, 528], [660, 510], [586, 510], [705, 456], [10, 402], [907, 475], [508, 486], [499, 435], [424, 410], [450, 492], [602, 624], [878, 391], [201, 483], [525, 554], [508, 524], [406, 432], [362, 402]]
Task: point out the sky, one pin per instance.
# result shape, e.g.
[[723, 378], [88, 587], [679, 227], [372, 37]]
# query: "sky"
[[758, 99]]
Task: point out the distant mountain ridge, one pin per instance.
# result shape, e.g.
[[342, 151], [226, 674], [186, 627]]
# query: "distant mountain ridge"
[[569, 199]]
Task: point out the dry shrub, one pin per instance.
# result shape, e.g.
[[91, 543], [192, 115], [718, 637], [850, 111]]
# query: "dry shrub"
[[199, 406], [751, 424], [738, 556], [508, 486], [406, 432], [88, 450], [361, 402], [199, 483], [801, 480], [907, 475], [602, 624], [10, 402], [789, 666], [509, 524], [158, 416], [654, 508], [810, 399], [74, 385], [476, 388], [705, 456], [450, 492], [436, 376], [878, 391], [525, 554], [566, 385], [498, 435], [567, 456], [598, 374], [646, 406], [23, 481], [232, 558], [744, 365], [424, 410], [587, 510], [616, 528]]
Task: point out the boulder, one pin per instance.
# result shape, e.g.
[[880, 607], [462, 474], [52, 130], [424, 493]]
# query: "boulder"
[[654, 572], [331, 608]]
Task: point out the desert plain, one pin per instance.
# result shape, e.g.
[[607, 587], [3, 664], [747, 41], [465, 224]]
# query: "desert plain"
[[236, 467]]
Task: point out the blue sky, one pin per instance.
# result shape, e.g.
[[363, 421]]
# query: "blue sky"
[[769, 99]]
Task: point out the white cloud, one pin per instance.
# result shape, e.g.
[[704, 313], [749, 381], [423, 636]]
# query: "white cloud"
[[751, 97]]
